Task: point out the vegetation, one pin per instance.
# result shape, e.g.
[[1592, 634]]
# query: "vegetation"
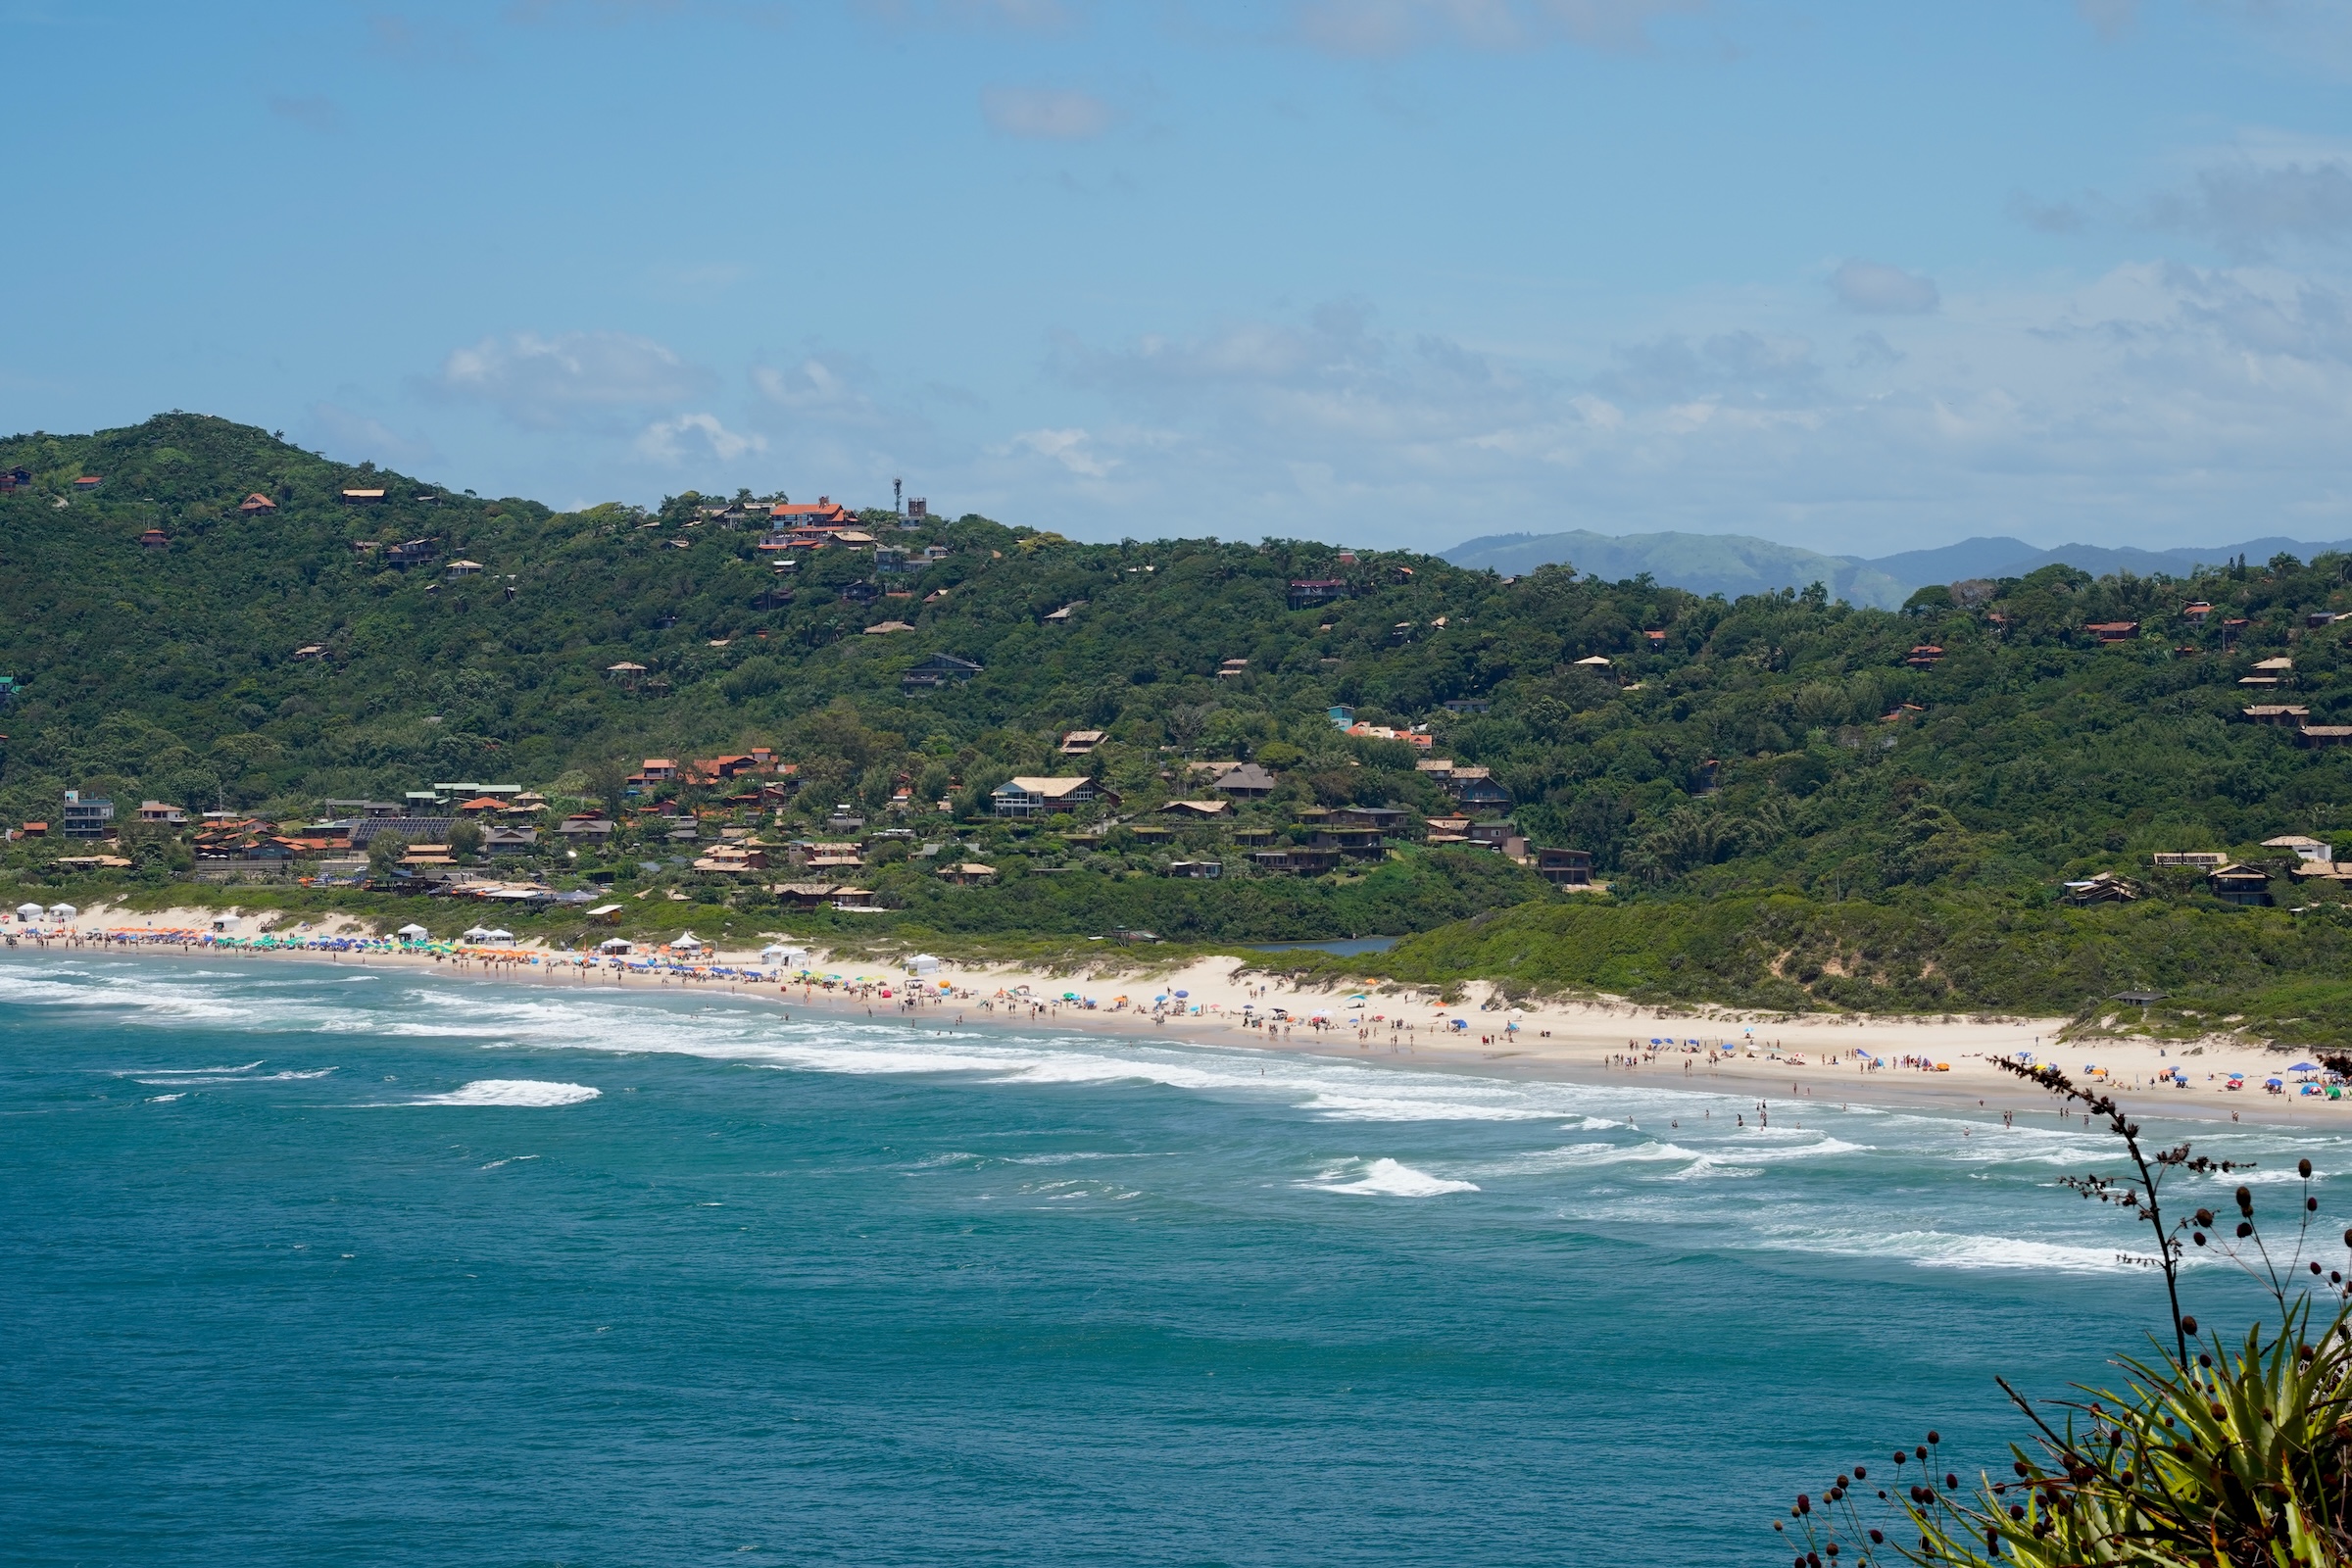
[[2240, 1454], [1794, 808]]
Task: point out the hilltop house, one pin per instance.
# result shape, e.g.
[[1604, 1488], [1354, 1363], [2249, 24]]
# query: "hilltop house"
[[255, 504]]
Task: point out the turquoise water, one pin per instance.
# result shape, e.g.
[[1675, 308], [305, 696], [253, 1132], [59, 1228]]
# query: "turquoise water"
[[315, 1265]]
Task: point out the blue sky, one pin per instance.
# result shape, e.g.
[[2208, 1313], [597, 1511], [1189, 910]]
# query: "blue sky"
[[1862, 277]]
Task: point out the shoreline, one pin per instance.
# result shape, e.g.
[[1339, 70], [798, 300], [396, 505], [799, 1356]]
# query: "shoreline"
[[1804, 1061]]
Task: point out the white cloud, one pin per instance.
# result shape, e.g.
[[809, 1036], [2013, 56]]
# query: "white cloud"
[[2250, 207], [2153, 404], [1375, 27], [351, 437], [546, 382], [1044, 113], [1876, 289], [659, 440], [1070, 449]]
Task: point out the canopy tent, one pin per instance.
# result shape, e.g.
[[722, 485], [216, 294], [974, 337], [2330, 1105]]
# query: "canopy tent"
[[479, 933], [923, 963], [687, 939], [617, 944], [780, 952], [496, 935], [411, 932], [30, 911], [62, 911]]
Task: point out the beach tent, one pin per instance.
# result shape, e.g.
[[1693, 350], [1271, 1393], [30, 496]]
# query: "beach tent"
[[30, 911], [496, 935], [62, 911], [778, 953], [2300, 1066], [411, 932], [221, 923], [617, 944], [688, 939], [923, 964], [479, 933]]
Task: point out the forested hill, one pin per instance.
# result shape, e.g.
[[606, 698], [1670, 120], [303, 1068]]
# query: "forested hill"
[[1778, 744], [2029, 751]]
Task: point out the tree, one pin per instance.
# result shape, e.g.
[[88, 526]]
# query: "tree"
[[383, 853], [465, 839]]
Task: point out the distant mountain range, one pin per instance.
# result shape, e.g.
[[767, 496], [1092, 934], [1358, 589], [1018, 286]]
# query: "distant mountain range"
[[1732, 563]]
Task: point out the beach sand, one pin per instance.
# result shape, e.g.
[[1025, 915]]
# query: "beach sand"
[[1775, 1058]]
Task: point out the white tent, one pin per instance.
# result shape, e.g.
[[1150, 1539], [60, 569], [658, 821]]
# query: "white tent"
[[617, 944], [496, 935], [62, 911], [689, 940], [412, 932], [221, 923], [780, 952], [923, 963], [479, 933], [30, 911]]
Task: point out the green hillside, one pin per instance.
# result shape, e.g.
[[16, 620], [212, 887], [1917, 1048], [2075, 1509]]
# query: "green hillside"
[[1855, 801]]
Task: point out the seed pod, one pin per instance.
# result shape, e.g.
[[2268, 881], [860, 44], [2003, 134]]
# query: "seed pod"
[[2303, 1168], [2245, 1229], [2189, 1325]]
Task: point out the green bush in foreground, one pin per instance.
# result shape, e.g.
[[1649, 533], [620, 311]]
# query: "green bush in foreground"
[[2224, 1454]]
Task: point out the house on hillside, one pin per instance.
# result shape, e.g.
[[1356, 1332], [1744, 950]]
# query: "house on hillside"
[[1475, 787], [155, 539], [19, 478], [92, 818], [2239, 884], [256, 504], [164, 814], [1305, 591], [1197, 811], [936, 671], [362, 498], [1079, 742], [824, 515], [510, 839], [1565, 869], [2323, 735], [1296, 861], [87, 483], [2304, 849], [1042, 797], [2114, 631], [887, 628], [1247, 782], [2283, 714], [2104, 888], [969, 874]]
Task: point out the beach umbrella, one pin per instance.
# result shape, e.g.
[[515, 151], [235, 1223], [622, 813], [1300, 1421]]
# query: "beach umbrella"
[[1184, 993], [2272, 1083]]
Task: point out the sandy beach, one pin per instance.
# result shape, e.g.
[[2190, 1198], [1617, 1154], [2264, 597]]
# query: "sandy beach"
[[1930, 1063]]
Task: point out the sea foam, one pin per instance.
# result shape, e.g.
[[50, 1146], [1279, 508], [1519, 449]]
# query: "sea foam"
[[1387, 1178], [528, 1092]]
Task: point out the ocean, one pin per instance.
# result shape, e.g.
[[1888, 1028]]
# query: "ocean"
[[315, 1264]]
